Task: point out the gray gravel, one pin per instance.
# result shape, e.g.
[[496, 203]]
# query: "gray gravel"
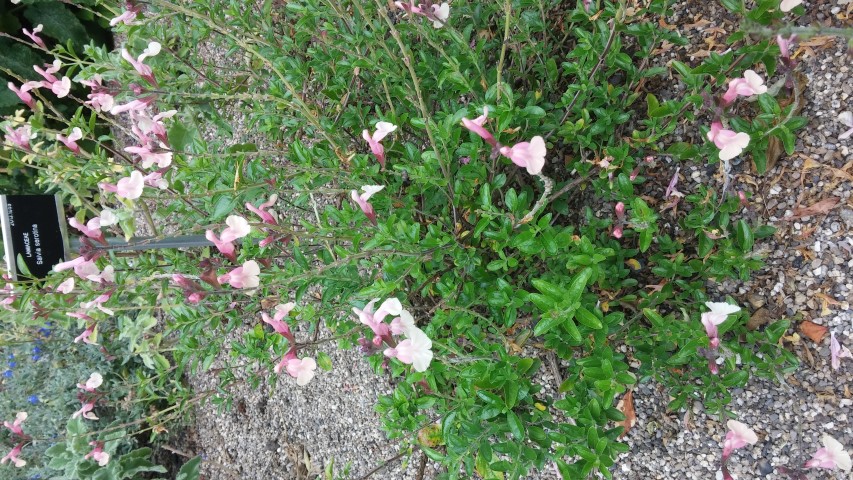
[[289, 432]]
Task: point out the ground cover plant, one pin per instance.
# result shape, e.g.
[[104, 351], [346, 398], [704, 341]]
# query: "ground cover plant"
[[467, 192]]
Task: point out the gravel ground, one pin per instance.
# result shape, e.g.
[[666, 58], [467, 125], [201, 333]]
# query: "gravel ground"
[[287, 432]]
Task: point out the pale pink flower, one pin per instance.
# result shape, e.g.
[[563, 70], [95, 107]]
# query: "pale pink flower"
[[402, 324], [738, 436], [302, 370], [785, 45], [98, 454], [95, 380], [19, 137], [730, 143], [151, 155], [263, 210], [70, 141], [415, 350], [34, 36], [361, 200], [246, 276], [15, 426], [130, 187], [155, 179], [390, 306], [23, 93], [143, 70], [719, 311], [107, 276], [128, 16], [86, 411], [382, 130], [837, 352], [530, 155], [440, 14], [13, 456], [788, 5], [409, 7], [671, 191], [237, 227], [277, 321], [61, 88], [91, 229], [48, 72], [367, 317], [101, 102], [84, 337], [137, 105], [831, 456], [99, 302], [750, 84], [69, 264], [145, 125], [67, 286], [619, 209], [476, 126]]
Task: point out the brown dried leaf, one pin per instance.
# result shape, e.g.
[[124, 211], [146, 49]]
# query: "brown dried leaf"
[[775, 150], [626, 406], [812, 330], [759, 318], [818, 208]]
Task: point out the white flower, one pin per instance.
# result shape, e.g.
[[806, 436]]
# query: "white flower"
[[441, 13], [788, 5]]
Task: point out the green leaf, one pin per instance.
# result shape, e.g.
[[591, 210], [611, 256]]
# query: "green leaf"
[[547, 323], [572, 329], [515, 425], [190, 470], [554, 291], [501, 466], [59, 22], [576, 288], [324, 361], [744, 236], [587, 318]]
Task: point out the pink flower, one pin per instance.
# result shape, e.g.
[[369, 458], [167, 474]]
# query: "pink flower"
[[528, 155], [155, 179], [70, 141], [263, 210], [409, 7], [128, 16], [788, 5], [246, 276], [837, 352], [403, 323], [718, 314], [24, 93], [34, 36], [440, 14], [730, 143], [277, 321], [831, 456], [98, 454], [67, 286], [61, 88], [237, 227], [98, 303], [130, 187], [151, 155], [476, 126], [382, 130], [86, 411], [107, 276], [19, 137], [361, 200], [670, 189], [143, 70], [48, 72], [91, 229], [738, 436], [302, 370], [13, 456], [135, 105], [785, 45], [750, 84], [15, 426], [619, 209], [70, 264], [95, 380], [84, 337], [368, 317], [414, 350]]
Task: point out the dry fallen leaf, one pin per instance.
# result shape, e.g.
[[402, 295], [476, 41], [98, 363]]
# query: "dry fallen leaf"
[[818, 208], [775, 149], [626, 406], [826, 301], [759, 318], [814, 331]]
